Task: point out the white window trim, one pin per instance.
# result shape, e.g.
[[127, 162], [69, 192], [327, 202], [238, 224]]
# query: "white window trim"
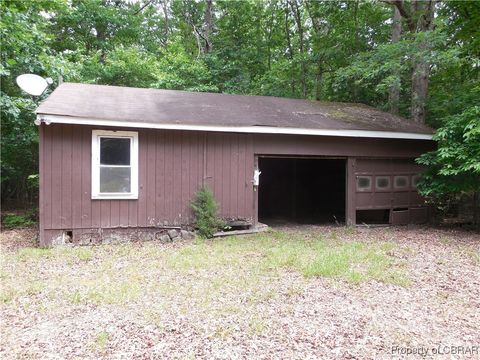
[[96, 136]]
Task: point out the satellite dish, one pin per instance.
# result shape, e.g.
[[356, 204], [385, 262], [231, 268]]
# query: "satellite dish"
[[33, 84]]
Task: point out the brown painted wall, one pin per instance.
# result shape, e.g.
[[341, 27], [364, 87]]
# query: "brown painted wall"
[[336, 146], [172, 166]]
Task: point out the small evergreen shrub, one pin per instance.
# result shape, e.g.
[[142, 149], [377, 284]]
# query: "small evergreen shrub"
[[205, 210]]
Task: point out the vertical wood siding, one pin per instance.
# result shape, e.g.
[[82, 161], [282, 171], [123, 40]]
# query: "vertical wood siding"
[[172, 167]]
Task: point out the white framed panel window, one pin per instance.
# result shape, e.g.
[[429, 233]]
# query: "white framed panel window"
[[364, 183], [400, 182], [114, 164]]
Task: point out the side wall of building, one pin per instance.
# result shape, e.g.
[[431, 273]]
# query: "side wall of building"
[[172, 167]]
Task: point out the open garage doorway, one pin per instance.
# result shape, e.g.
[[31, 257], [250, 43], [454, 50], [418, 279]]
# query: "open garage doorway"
[[301, 190]]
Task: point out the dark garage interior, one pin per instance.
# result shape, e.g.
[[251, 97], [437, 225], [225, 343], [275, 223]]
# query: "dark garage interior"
[[301, 190]]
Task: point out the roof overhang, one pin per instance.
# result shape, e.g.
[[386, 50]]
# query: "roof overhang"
[[58, 119]]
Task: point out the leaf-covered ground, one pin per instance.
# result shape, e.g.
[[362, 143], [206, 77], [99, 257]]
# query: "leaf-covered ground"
[[306, 292]]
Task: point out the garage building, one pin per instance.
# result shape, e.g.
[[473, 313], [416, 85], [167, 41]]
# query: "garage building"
[[118, 161]]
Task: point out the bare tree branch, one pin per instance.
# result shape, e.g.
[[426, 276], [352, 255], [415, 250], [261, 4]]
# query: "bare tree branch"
[[143, 7]]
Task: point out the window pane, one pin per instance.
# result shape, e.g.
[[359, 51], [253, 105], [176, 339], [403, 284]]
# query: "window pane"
[[115, 151], [401, 182], [415, 180], [364, 183], [115, 180], [383, 182]]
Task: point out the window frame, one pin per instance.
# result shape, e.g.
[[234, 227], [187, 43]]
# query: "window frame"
[[401, 188], [385, 189], [97, 135], [412, 181], [363, 190]]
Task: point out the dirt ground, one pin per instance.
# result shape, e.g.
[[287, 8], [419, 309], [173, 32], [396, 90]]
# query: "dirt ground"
[[363, 293]]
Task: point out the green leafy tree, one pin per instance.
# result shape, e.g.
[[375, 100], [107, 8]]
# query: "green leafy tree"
[[238, 56], [25, 49], [121, 66], [95, 26], [454, 168], [323, 50], [176, 70], [453, 82]]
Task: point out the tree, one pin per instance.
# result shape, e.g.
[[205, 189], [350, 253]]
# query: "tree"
[[394, 91], [122, 67], [177, 71], [204, 209], [208, 27], [25, 49], [346, 50], [95, 26], [454, 168], [419, 19]]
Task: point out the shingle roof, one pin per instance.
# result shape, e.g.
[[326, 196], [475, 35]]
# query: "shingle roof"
[[143, 106]]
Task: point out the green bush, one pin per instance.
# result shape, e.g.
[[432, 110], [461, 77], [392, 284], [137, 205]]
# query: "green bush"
[[205, 210], [13, 221]]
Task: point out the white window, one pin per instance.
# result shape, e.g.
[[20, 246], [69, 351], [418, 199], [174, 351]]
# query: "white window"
[[114, 164]]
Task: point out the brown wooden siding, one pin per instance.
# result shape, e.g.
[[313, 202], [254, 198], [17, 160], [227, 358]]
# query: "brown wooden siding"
[[172, 166], [337, 146]]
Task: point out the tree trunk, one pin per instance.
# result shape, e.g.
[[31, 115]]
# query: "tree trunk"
[[269, 42], [298, 20], [394, 91], [198, 37], [100, 43], [289, 44], [208, 25], [165, 14], [355, 48], [419, 19], [421, 68], [420, 74], [269, 30], [317, 29]]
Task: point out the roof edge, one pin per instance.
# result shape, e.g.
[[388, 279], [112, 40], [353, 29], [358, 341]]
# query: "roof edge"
[[59, 119]]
